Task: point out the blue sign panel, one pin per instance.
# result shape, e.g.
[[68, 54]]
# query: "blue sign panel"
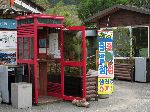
[[8, 23]]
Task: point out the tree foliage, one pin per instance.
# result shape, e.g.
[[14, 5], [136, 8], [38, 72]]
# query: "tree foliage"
[[40, 1], [139, 2], [72, 2], [44, 3], [89, 7], [68, 11], [84, 9]]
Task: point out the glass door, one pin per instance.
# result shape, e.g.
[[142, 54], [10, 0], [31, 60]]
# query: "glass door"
[[73, 62]]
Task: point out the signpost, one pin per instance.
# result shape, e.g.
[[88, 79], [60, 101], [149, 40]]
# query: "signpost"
[[105, 62]]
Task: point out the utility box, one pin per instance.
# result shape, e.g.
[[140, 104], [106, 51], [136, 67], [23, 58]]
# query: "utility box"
[[4, 83], [21, 95], [142, 66]]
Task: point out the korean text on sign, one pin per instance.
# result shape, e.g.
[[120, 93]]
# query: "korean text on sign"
[[105, 85], [105, 53]]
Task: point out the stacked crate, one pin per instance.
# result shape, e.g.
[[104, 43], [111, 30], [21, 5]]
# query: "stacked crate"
[[91, 87], [124, 69]]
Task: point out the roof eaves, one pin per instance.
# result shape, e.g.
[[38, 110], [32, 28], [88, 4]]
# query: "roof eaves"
[[135, 9], [117, 7], [101, 13]]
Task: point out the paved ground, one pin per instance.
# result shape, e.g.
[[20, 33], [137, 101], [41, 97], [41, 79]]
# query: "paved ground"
[[128, 97]]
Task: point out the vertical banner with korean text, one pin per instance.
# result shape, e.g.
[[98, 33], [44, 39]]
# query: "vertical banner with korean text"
[[105, 62]]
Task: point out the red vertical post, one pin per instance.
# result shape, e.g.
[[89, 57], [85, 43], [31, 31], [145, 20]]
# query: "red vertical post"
[[84, 61], [35, 61], [11, 3], [62, 61]]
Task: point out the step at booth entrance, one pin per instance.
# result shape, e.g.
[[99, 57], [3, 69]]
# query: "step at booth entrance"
[[55, 56]]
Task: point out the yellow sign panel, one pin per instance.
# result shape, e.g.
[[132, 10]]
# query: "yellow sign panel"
[[105, 85]]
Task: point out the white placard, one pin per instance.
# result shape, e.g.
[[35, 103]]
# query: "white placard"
[[42, 50], [53, 45]]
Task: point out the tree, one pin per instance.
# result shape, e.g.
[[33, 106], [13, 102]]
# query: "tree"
[[44, 3], [68, 11], [139, 2], [65, 1], [87, 8]]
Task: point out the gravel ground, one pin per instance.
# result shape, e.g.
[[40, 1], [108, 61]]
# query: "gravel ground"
[[127, 97]]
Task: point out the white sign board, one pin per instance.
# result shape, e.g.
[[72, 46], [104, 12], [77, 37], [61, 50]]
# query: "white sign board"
[[8, 46], [42, 50], [8, 40], [53, 45]]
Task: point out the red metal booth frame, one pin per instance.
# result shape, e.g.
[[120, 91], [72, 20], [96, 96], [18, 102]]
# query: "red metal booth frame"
[[27, 27]]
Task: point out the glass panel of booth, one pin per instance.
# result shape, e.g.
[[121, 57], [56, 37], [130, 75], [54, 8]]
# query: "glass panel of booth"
[[48, 68], [73, 61], [25, 21], [25, 48], [49, 43], [49, 55], [53, 53], [72, 45], [20, 48], [49, 21]]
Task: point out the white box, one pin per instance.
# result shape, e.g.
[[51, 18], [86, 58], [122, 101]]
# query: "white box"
[[21, 95], [4, 83]]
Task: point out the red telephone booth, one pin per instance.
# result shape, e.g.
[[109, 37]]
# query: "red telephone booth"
[[55, 56]]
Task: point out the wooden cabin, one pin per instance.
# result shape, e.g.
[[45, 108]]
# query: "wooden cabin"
[[137, 21]]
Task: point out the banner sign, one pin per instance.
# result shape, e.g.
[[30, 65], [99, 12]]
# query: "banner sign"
[[105, 61], [8, 23], [105, 54]]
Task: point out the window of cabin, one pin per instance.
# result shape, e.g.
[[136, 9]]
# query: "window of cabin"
[[129, 41], [140, 42]]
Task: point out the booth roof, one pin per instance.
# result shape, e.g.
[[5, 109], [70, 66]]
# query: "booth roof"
[[40, 16]]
